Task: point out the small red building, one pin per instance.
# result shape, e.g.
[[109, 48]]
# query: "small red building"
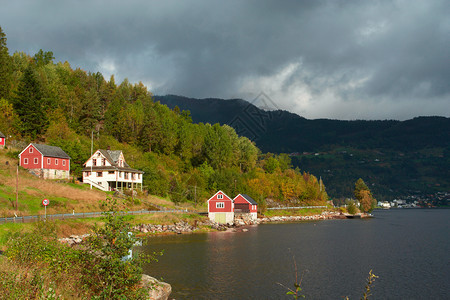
[[245, 204], [48, 162], [221, 208], [2, 140]]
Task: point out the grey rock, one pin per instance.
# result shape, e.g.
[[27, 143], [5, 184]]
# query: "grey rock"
[[157, 290]]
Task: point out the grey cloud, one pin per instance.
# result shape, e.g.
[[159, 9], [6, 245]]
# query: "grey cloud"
[[372, 51]]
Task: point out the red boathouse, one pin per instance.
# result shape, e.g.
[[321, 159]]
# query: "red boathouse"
[[221, 208], [245, 204]]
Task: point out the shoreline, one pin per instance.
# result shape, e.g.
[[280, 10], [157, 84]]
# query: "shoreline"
[[239, 224]]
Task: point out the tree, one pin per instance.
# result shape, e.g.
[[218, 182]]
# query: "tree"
[[28, 104], [5, 67], [42, 58], [364, 196]]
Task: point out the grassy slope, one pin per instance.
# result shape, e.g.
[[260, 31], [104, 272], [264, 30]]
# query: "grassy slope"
[[64, 198]]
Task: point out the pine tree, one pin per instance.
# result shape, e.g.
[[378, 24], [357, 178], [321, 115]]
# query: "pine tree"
[[5, 67], [29, 106]]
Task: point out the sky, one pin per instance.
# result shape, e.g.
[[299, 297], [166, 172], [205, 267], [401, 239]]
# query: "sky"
[[331, 59]]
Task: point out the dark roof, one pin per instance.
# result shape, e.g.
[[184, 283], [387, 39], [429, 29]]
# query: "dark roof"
[[249, 199], [51, 151], [2, 135], [113, 156]]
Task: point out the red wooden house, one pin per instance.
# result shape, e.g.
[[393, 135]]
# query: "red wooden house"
[[2, 140], [48, 162], [221, 208], [245, 204]]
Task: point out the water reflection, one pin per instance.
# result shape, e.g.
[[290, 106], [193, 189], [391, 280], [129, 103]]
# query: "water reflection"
[[402, 247]]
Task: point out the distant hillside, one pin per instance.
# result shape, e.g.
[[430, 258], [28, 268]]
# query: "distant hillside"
[[398, 158]]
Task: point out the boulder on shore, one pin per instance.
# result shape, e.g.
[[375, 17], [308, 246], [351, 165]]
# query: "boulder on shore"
[[157, 290]]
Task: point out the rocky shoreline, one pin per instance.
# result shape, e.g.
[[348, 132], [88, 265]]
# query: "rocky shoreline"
[[184, 227]]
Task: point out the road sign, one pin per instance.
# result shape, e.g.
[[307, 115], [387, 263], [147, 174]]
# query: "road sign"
[[45, 202]]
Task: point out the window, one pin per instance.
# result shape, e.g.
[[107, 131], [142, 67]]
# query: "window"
[[94, 162], [99, 174], [64, 163], [31, 149], [111, 172], [87, 173], [25, 161], [103, 162], [220, 196], [120, 174], [48, 160], [126, 175], [35, 161], [56, 161], [220, 204]]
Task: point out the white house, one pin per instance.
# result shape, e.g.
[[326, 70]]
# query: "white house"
[[108, 171]]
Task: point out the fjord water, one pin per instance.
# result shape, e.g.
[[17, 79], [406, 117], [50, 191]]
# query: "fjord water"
[[409, 249]]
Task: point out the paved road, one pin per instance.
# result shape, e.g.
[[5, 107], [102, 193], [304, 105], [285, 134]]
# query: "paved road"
[[27, 219]]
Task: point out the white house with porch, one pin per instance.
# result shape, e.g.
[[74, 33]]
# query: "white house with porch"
[[108, 171]]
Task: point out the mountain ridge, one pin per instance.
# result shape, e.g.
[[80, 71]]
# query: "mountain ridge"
[[402, 158]]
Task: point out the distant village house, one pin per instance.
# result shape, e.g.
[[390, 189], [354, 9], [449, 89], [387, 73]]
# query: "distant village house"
[[108, 171], [48, 162]]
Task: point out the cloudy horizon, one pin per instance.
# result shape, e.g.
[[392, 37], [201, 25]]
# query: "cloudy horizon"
[[320, 59]]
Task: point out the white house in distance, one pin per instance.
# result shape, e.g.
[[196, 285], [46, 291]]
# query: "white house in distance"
[[108, 171]]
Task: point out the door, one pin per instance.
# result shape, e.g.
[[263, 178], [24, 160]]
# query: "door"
[[220, 218]]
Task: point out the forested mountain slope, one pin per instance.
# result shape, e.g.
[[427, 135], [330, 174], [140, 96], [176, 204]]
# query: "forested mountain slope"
[[399, 158]]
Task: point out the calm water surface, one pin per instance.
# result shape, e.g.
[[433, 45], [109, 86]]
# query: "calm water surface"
[[408, 249]]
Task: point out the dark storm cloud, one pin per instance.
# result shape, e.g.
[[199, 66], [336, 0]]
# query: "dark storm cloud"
[[335, 59]]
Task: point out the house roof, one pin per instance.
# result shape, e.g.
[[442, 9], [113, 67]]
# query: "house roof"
[[113, 157], [2, 135], [51, 151], [249, 199], [222, 194]]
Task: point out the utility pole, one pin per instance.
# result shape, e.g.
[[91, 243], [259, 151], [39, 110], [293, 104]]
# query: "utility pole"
[[92, 149], [17, 188], [195, 194]]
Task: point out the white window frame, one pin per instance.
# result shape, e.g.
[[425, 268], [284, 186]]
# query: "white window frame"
[[56, 161], [64, 162], [220, 204], [36, 161], [31, 150], [220, 196], [49, 161], [25, 161]]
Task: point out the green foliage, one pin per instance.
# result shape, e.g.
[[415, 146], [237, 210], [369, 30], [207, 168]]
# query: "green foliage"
[[29, 106], [351, 208], [105, 272], [63, 106], [96, 270]]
